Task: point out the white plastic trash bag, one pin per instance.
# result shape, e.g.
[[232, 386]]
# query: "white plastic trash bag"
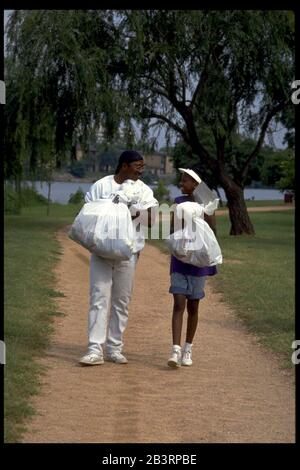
[[196, 244], [201, 250], [133, 194], [128, 193], [189, 210], [206, 198], [104, 228]]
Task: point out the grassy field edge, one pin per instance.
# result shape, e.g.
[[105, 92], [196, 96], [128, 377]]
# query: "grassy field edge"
[[30, 307]]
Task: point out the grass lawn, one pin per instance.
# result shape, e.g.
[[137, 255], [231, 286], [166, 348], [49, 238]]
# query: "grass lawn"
[[278, 202], [257, 278], [275, 202], [30, 253]]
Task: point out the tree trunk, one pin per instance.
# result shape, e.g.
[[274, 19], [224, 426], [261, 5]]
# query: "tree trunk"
[[73, 153], [238, 214], [58, 162]]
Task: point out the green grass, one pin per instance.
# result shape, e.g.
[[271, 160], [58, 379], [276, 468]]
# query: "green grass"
[[258, 278], [278, 202], [30, 253]]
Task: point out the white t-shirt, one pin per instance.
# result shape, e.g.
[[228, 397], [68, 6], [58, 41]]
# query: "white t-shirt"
[[106, 188]]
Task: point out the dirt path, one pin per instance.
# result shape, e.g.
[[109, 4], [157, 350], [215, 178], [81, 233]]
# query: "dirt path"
[[234, 392]]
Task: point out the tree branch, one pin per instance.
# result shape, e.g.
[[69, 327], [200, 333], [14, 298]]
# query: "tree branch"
[[260, 141], [161, 117], [182, 81], [220, 146], [200, 85]]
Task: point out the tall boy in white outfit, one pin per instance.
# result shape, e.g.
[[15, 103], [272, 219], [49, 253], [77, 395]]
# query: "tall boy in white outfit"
[[111, 281]]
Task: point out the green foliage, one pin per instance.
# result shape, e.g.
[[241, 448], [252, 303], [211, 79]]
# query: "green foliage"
[[205, 75], [30, 197], [59, 84], [271, 170], [77, 197], [265, 170], [161, 193], [13, 202], [78, 169], [183, 157], [287, 181]]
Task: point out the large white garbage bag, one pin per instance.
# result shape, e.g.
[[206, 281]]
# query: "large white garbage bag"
[[196, 244], [104, 228]]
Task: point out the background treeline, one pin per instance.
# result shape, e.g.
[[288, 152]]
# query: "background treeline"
[[210, 78]]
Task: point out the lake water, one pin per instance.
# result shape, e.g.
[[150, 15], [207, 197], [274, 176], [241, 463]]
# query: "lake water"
[[61, 191]]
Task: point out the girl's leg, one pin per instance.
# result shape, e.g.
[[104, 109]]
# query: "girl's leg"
[[192, 321], [178, 310]]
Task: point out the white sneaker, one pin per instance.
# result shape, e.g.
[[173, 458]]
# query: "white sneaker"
[[91, 359], [116, 357], [175, 359], [187, 357]]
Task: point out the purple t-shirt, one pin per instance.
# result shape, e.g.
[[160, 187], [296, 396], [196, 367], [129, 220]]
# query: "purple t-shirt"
[[178, 266]]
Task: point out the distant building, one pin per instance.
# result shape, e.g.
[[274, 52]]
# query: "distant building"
[[89, 154], [159, 164], [169, 167]]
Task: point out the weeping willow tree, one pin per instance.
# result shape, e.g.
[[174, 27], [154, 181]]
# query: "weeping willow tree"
[[60, 72], [219, 71]]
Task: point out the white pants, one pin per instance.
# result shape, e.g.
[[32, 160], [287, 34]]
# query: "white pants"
[[111, 285]]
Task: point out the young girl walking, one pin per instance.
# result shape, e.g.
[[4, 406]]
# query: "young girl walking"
[[187, 283]]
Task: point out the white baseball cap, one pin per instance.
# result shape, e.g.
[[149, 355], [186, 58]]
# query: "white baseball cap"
[[192, 173]]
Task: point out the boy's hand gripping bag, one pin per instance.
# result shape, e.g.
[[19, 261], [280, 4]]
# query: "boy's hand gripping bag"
[[105, 229]]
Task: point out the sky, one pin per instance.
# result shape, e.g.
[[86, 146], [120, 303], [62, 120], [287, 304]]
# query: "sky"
[[161, 141]]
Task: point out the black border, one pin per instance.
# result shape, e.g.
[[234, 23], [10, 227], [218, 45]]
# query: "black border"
[[91, 454]]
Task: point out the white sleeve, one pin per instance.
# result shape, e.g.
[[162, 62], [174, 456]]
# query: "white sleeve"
[[94, 193], [147, 198]]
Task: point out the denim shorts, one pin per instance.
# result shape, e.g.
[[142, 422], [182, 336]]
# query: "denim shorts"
[[190, 286]]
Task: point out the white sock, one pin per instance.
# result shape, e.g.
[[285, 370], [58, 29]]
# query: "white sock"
[[188, 346], [176, 347]]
